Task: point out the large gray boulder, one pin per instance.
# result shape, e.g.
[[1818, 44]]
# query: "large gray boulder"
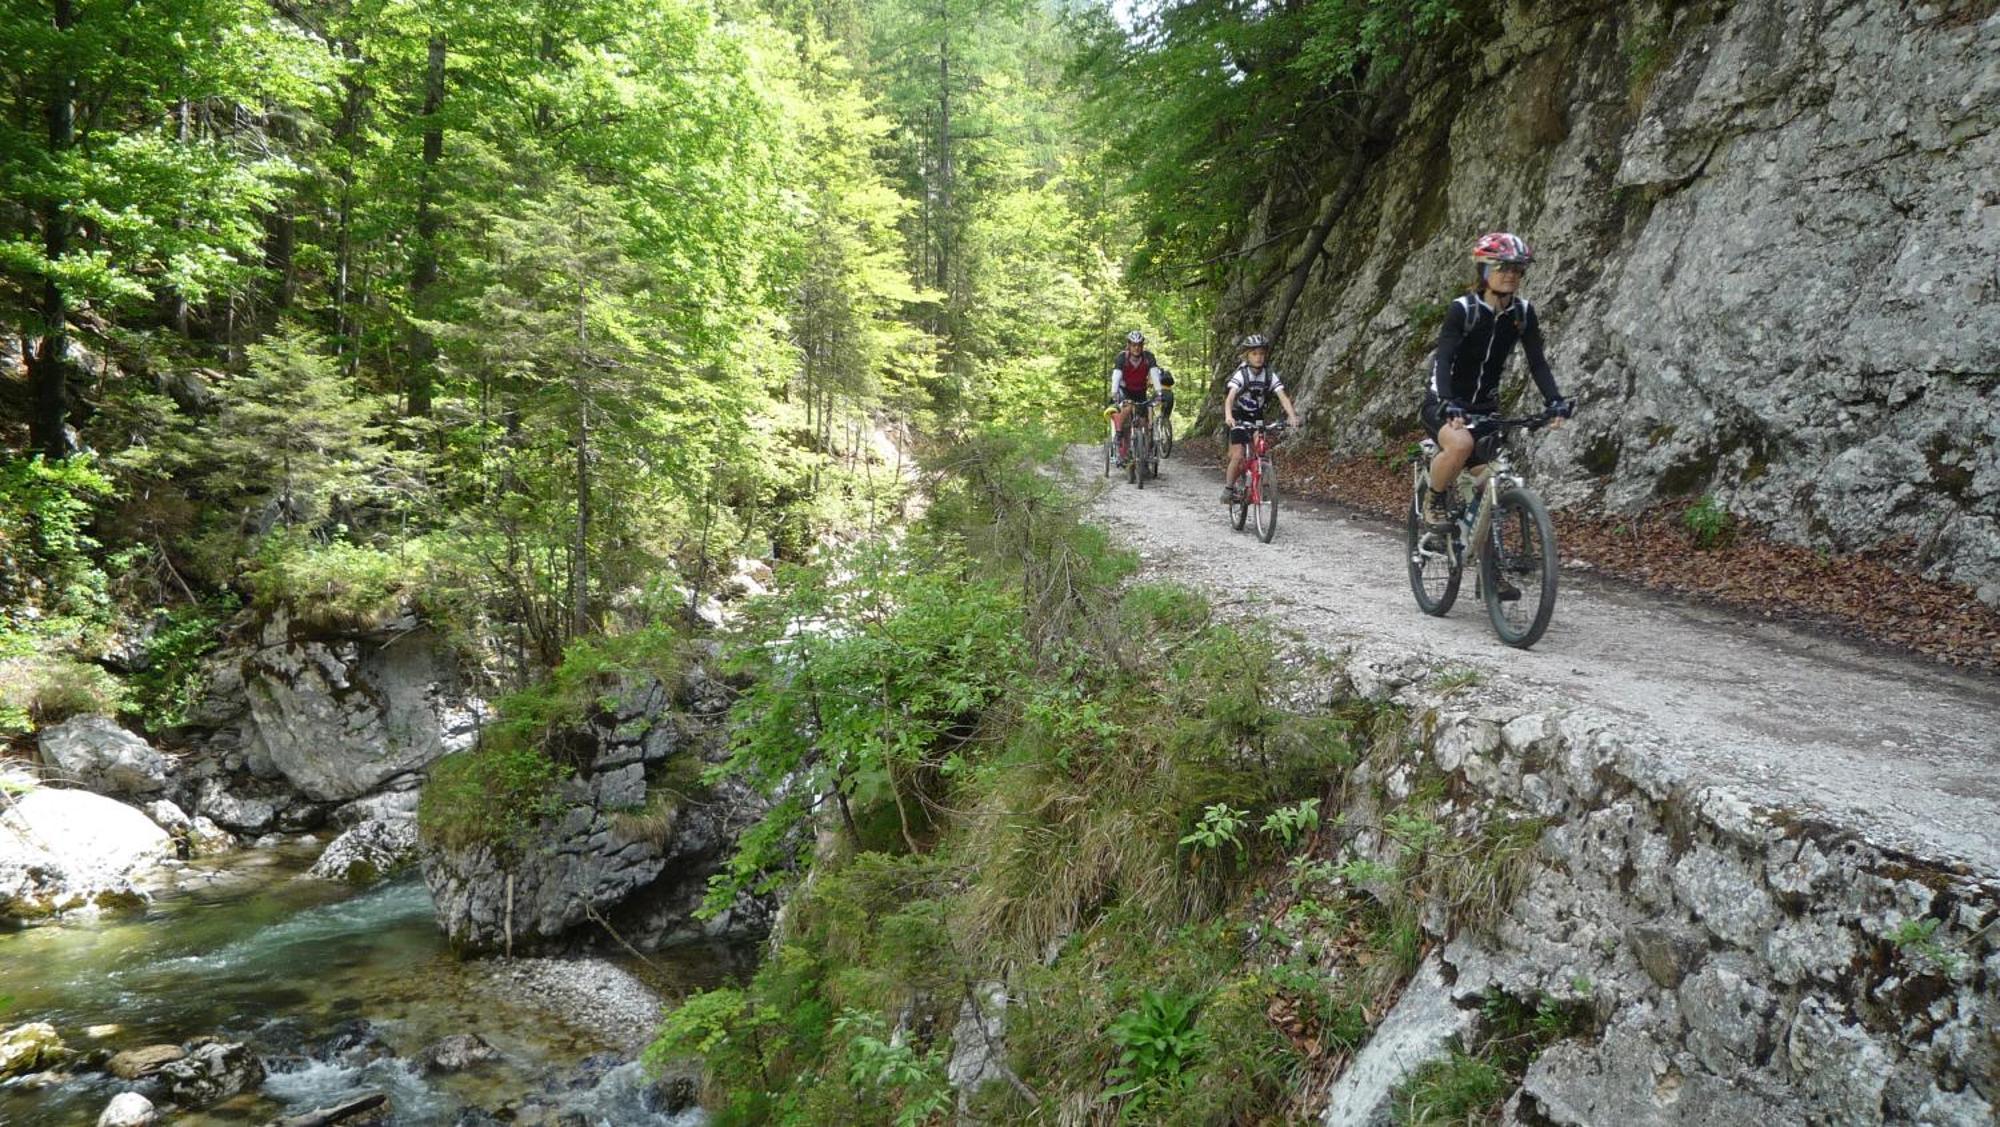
[[95, 753], [629, 847], [211, 1073], [378, 845], [340, 717], [67, 849]]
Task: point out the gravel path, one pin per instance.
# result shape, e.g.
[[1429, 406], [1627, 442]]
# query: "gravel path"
[[1904, 751]]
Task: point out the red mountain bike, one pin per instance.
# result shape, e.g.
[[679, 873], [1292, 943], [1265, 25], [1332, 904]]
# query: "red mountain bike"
[[1257, 489]]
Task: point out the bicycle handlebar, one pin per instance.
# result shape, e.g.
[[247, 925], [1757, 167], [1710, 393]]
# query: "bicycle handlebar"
[[1527, 422]]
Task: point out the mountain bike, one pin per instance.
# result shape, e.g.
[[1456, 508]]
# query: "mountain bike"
[[1166, 428], [1143, 454], [1257, 489], [1503, 524]]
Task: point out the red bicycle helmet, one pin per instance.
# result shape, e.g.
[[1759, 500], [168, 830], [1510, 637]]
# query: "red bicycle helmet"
[[1500, 247]]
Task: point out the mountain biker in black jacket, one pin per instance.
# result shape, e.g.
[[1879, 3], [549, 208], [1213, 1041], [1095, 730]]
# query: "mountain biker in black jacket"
[[1478, 335]]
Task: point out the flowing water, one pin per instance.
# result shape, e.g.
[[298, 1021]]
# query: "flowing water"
[[338, 991]]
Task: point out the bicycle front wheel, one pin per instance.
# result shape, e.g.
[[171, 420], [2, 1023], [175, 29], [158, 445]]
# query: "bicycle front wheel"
[[1110, 448], [1142, 454], [1434, 568], [1166, 438], [1265, 503], [1518, 568]]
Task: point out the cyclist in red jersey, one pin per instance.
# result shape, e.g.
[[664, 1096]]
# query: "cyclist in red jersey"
[[1135, 376]]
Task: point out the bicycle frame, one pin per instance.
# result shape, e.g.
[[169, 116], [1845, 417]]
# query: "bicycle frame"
[[1253, 461]]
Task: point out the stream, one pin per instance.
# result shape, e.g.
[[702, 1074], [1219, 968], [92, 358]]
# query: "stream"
[[338, 990]]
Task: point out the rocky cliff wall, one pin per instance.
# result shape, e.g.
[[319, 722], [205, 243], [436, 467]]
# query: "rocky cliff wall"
[[627, 855], [1769, 260], [1736, 964]]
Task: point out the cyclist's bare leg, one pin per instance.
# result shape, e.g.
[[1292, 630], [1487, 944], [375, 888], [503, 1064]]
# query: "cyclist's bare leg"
[[1236, 453], [1454, 450], [1123, 416]]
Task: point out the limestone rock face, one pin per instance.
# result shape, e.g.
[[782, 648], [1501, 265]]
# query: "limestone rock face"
[[340, 717], [67, 849], [95, 753], [627, 848], [1761, 279]]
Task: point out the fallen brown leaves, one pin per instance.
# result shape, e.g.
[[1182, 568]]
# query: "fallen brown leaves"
[[1878, 594]]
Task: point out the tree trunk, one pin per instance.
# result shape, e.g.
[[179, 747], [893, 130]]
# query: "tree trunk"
[[48, 362], [347, 132], [579, 562], [424, 273]]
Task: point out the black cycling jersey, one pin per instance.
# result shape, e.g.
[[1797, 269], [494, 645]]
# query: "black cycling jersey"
[[1472, 350]]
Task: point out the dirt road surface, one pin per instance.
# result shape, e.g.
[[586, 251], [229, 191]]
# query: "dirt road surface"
[[1904, 751]]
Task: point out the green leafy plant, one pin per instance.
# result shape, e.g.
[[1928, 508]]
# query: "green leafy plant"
[[1709, 522], [1414, 831], [1918, 939], [1157, 1043], [915, 1082], [1456, 1090], [1221, 826], [1304, 871], [1290, 824], [1463, 677]]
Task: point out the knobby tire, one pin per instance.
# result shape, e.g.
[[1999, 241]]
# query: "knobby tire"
[[1522, 549], [1266, 500], [1434, 580]]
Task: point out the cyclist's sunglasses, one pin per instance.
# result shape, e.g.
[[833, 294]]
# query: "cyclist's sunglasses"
[[1516, 268]]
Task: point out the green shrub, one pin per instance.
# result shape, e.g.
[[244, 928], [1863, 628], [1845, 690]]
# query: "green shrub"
[[1457, 1090], [1709, 522], [52, 587], [37, 691], [335, 584], [175, 676], [495, 794]]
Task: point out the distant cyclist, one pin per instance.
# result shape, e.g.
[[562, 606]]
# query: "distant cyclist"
[[1251, 387], [1166, 394], [1479, 333], [1135, 376]]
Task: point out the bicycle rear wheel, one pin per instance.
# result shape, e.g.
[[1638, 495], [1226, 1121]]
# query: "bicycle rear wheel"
[[1167, 437], [1517, 571], [1110, 448], [1434, 568], [1265, 503], [1239, 509]]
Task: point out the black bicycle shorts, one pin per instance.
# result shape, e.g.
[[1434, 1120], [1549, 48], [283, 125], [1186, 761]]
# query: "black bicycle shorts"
[[1485, 436], [1240, 436]]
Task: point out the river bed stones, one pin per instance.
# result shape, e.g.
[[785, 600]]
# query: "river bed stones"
[[210, 1073], [31, 1048], [457, 1053], [137, 1064], [128, 1109]]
